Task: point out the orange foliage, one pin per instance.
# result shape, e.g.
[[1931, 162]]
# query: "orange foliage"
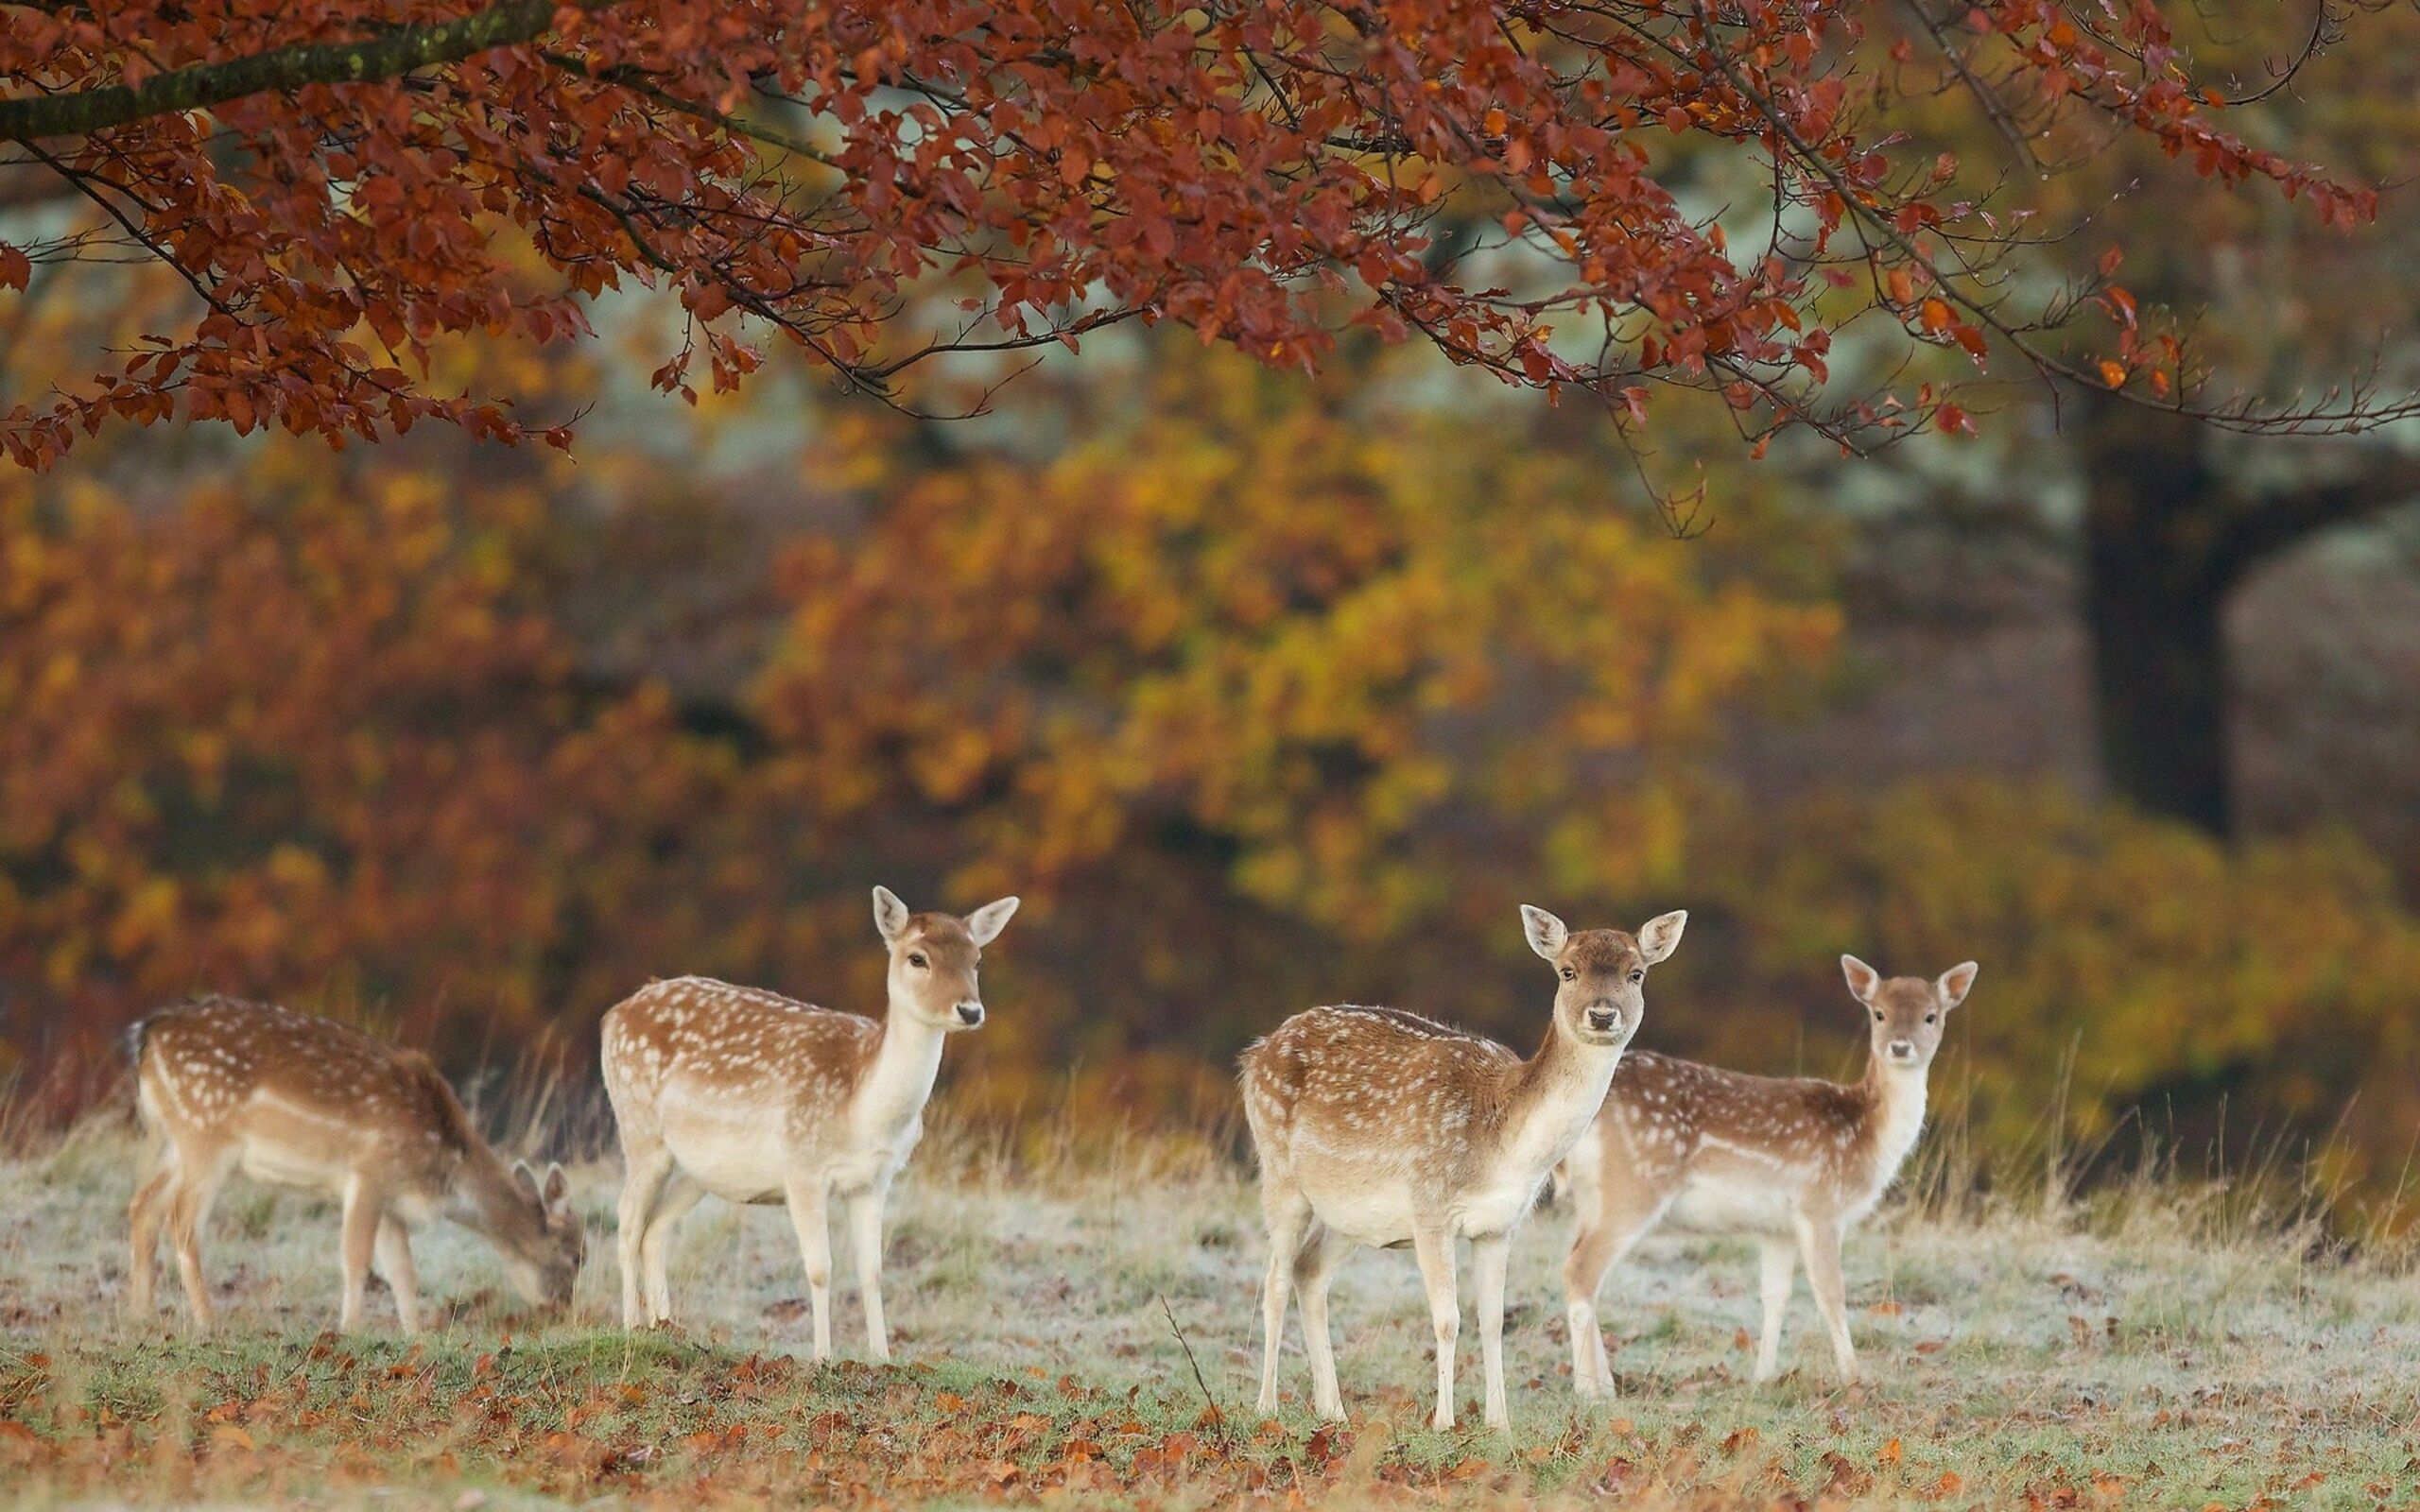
[[315, 746], [1256, 691]]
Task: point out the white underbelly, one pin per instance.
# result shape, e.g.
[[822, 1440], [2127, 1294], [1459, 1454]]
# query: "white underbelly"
[[1728, 1204], [739, 1160], [285, 1165], [1374, 1214]]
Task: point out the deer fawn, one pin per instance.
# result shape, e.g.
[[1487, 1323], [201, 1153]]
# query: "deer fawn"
[[1378, 1128], [1792, 1162], [756, 1098], [301, 1101]]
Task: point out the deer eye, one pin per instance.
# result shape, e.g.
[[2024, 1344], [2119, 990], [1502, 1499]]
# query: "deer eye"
[[1877, 1015], [916, 959], [1570, 975], [1932, 1017], [1638, 976]]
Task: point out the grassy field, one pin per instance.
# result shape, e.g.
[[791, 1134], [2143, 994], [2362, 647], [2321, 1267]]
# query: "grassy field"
[[2157, 1347]]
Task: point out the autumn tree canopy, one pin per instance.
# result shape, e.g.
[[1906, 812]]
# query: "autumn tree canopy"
[[345, 184]]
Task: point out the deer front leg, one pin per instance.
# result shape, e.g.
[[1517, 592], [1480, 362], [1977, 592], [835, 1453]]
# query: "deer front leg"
[[1584, 1276], [1488, 1259], [395, 1262], [1434, 1249], [806, 1196], [365, 1209], [1288, 1216], [865, 1235], [1606, 1237], [1777, 1270], [1819, 1241]]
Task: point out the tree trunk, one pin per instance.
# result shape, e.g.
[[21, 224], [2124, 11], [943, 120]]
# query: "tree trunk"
[[2155, 584]]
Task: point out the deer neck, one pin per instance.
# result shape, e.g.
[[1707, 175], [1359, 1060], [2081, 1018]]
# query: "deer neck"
[[1895, 1113], [485, 1198], [1554, 1096], [898, 1077]]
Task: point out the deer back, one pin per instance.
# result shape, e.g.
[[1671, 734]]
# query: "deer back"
[[1668, 1123], [307, 1099], [1351, 1086], [742, 1051]]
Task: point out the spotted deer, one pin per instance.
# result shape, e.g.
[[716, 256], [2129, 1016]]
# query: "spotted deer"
[[759, 1099], [1377, 1127], [1793, 1162], [296, 1100]]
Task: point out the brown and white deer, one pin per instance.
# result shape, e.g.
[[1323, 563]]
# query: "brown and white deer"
[[756, 1098], [296, 1100], [1793, 1162], [1379, 1128]]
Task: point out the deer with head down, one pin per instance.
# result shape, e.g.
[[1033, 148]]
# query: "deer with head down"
[[296, 1100], [1792, 1161], [757, 1098], [1379, 1128]]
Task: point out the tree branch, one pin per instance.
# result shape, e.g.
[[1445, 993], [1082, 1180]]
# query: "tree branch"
[[2281, 519], [202, 85]]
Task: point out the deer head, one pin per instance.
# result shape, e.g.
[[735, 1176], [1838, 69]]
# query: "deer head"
[[1907, 1014], [933, 958], [1600, 974], [546, 1243]]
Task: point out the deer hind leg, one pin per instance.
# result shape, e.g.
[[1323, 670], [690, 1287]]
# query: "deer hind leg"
[[865, 1242], [1314, 1267], [1488, 1259], [195, 1190], [1609, 1230], [143, 1218], [1819, 1241], [673, 1200], [1434, 1249], [807, 1199], [1287, 1213], [646, 1165], [1777, 1267], [394, 1261], [365, 1210]]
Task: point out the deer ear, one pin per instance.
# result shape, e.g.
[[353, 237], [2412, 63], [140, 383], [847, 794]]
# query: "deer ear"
[[890, 914], [1661, 936], [525, 1180], [1863, 979], [1547, 932], [556, 1193], [1955, 984], [986, 923]]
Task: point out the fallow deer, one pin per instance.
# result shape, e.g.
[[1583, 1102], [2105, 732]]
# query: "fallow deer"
[[1793, 1162], [1377, 1127], [296, 1100], [759, 1099]]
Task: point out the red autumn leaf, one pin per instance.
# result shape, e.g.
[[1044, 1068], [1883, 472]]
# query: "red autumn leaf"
[[485, 181]]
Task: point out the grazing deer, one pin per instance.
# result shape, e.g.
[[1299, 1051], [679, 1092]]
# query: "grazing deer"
[[1378, 1128], [756, 1098], [1792, 1162], [301, 1101]]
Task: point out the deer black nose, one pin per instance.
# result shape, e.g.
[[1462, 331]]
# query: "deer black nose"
[[1603, 1019], [1902, 1050], [969, 1014]]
